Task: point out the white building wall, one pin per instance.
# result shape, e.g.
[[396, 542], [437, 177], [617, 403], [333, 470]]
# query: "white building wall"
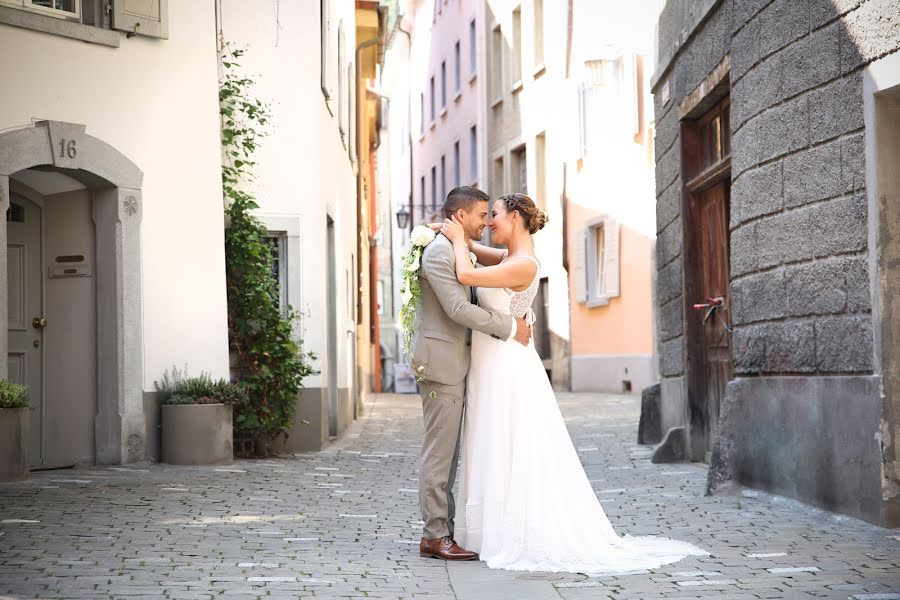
[[156, 102], [304, 173]]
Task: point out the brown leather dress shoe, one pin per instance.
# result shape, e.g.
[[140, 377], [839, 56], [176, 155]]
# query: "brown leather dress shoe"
[[446, 549]]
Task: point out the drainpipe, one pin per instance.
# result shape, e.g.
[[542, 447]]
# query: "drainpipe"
[[409, 123]]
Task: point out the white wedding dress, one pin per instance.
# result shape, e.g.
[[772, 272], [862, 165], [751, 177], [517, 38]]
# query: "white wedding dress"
[[525, 503]]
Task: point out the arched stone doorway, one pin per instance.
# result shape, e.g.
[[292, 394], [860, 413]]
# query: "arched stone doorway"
[[112, 184]]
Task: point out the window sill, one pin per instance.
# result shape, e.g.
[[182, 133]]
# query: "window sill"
[[473, 77], [443, 113], [496, 102], [597, 302], [16, 17], [539, 70], [431, 126], [457, 96], [516, 87], [421, 136]]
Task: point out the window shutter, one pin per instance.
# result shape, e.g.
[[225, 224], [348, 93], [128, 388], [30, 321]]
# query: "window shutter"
[[579, 273], [142, 17], [583, 90], [611, 257]]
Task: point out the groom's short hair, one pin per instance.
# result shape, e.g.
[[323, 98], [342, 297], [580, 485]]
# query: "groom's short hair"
[[463, 197]]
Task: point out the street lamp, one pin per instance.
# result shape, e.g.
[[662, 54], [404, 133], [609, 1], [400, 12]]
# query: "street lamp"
[[402, 218]]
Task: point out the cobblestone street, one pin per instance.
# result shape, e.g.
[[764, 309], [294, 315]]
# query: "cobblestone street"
[[344, 523]]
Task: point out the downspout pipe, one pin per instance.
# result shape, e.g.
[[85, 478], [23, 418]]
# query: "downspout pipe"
[[409, 123]]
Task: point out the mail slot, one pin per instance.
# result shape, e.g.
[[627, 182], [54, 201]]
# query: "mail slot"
[[70, 270]]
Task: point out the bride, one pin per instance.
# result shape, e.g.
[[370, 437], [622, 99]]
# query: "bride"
[[526, 501]]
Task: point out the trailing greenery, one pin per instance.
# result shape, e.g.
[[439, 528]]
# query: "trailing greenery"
[[13, 395], [410, 289], [271, 364], [176, 387]]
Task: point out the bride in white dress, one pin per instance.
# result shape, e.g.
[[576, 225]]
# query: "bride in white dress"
[[525, 503]]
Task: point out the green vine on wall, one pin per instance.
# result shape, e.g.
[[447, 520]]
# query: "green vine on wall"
[[271, 364]]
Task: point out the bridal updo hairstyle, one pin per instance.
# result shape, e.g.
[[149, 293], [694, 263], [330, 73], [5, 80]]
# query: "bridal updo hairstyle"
[[534, 218]]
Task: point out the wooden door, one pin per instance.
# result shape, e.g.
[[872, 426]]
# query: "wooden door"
[[714, 367], [25, 328], [706, 168]]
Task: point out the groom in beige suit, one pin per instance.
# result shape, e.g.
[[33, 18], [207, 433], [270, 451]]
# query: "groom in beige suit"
[[445, 318]]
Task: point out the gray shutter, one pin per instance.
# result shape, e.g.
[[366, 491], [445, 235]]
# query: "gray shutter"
[[579, 272], [611, 257], [142, 17]]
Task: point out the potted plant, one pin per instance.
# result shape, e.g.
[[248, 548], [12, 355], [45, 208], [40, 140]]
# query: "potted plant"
[[15, 425], [197, 418]]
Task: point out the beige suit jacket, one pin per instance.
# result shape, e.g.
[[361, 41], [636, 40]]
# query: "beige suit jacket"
[[441, 343]]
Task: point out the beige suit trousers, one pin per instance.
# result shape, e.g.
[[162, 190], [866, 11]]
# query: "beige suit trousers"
[[442, 407]]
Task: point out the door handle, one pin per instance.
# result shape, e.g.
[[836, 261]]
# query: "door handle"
[[39, 322]]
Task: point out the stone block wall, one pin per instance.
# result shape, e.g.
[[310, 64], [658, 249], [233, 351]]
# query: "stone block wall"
[[801, 285], [799, 217]]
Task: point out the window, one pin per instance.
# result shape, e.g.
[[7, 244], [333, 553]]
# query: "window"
[[473, 49], [596, 262], [67, 9], [538, 33], [473, 153], [497, 186], [325, 65], [517, 46], [519, 170], [601, 103], [277, 242], [540, 165], [422, 198], [422, 114], [433, 189], [351, 112], [81, 20], [457, 69], [443, 84], [496, 63], [340, 61], [456, 164], [443, 176], [432, 99]]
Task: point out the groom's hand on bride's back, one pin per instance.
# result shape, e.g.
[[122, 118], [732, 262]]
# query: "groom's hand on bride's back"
[[523, 332]]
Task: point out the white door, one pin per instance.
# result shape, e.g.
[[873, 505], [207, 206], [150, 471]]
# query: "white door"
[[26, 319]]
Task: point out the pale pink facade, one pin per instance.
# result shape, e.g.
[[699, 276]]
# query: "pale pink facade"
[[446, 99]]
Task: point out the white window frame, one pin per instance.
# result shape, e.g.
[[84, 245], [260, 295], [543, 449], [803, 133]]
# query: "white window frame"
[[53, 12], [288, 227], [600, 286], [457, 68], [473, 49], [326, 66]]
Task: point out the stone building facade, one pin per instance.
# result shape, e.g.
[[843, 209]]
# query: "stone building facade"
[[777, 218]]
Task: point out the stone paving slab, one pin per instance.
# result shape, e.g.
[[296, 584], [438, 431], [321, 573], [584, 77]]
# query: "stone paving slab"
[[344, 523]]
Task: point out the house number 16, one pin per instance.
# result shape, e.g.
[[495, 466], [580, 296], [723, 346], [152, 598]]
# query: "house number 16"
[[67, 148]]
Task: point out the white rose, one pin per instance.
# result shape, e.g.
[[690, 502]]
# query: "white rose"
[[421, 235], [473, 258]]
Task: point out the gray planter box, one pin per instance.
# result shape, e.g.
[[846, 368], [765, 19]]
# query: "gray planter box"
[[197, 434], [15, 425]]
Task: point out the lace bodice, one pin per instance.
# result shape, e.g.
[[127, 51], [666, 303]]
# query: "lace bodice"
[[517, 304]]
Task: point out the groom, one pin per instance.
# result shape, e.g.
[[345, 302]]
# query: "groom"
[[441, 347]]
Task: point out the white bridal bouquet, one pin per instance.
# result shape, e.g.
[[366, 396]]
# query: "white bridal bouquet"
[[420, 237]]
